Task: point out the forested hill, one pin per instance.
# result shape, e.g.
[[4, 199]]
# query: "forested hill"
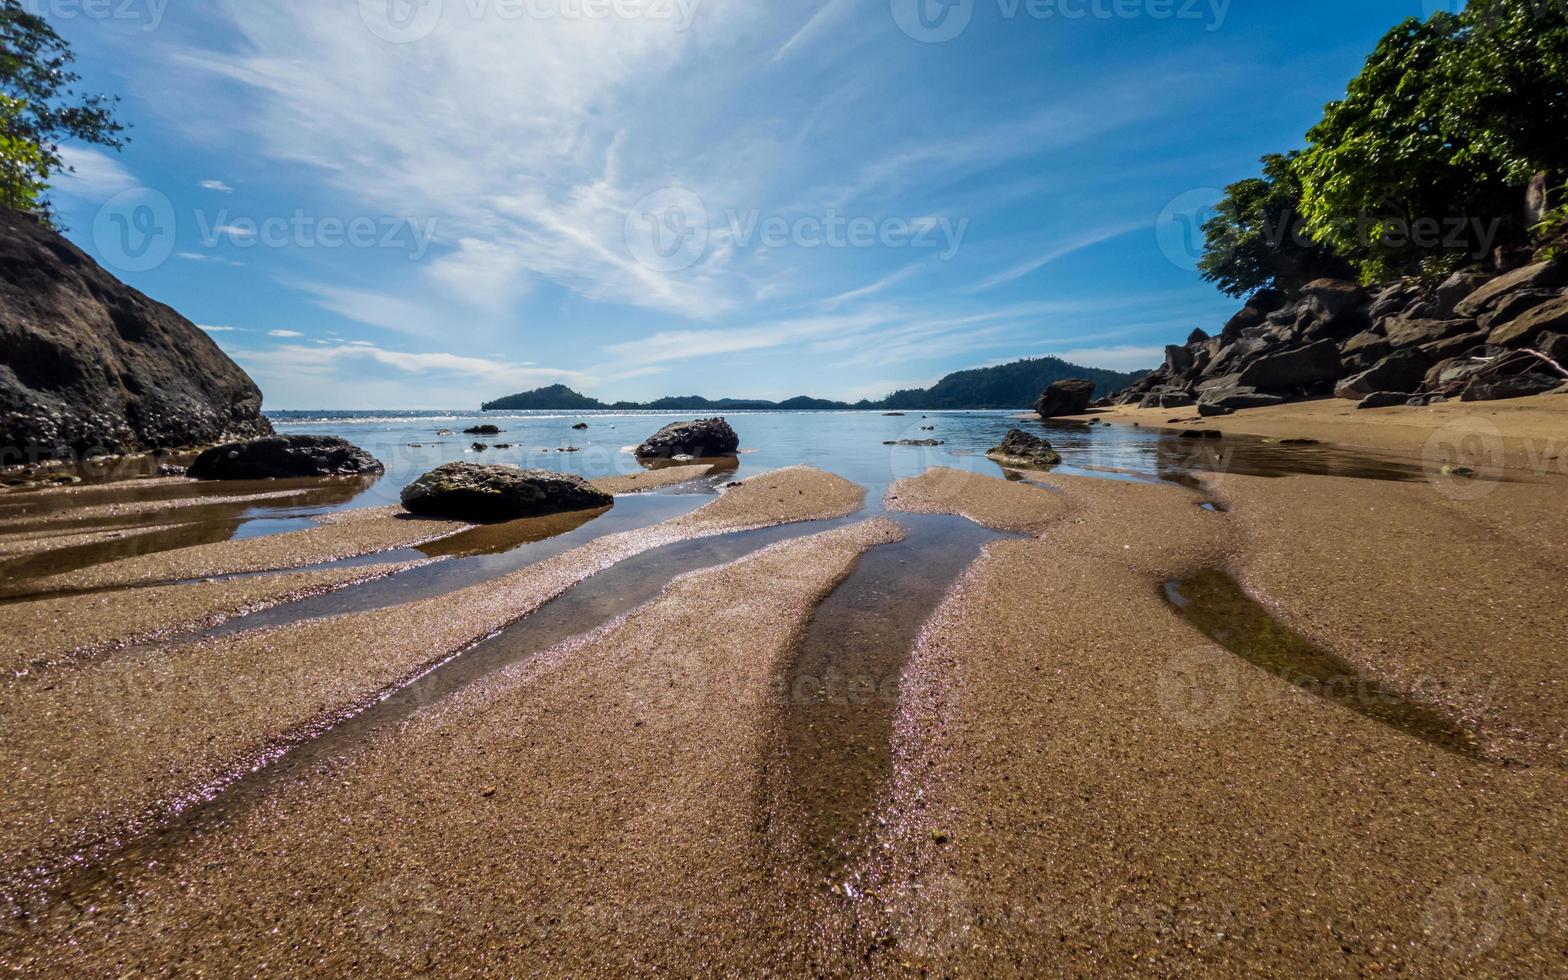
[[1015, 385]]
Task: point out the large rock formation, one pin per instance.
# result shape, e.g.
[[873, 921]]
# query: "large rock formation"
[[1474, 336], [1069, 397], [469, 492], [702, 438], [90, 366], [282, 457]]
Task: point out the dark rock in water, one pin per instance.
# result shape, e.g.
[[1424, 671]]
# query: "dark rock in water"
[[479, 447], [699, 439], [893, 415], [1403, 370], [1224, 401], [169, 469], [1293, 369], [1384, 399], [483, 430], [915, 442], [282, 457], [1516, 386], [1552, 274], [469, 492], [90, 366], [1201, 434], [1069, 397], [580, 425], [1020, 448], [1523, 330]]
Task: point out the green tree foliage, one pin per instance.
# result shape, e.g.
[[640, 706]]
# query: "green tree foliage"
[[39, 108], [1423, 164], [1258, 237]]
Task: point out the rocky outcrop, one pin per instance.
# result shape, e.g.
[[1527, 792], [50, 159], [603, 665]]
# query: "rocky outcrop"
[[486, 494], [1070, 397], [1019, 448], [482, 430], [699, 439], [284, 457], [90, 366], [1476, 335]]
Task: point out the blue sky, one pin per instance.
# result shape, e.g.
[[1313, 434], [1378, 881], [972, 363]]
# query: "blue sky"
[[395, 204]]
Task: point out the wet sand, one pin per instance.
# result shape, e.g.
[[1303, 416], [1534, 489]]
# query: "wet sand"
[[348, 534], [1089, 785], [591, 812], [47, 632], [1521, 434], [1086, 778], [197, 713]]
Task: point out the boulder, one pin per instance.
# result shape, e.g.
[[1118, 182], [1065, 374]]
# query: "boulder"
[[1293, 369], [1491, 389], [1413, 333], [1456, 287], [1224, 401], [90, 366], [1178, 360], [1393, 299], [1455, 345], [1403, 370], [1551, 274], [914, 442], [1198, 336], [483, 430], [1330, 299], [1069, 397], [1020, 448], [1555, 346], [1523, 330], [283, 457], [483, 494], [1167, 398], [1384, 399], [699, 439], [1512, 305]]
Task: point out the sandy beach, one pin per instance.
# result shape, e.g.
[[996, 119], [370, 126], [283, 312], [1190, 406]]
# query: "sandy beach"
[[1085, 777]]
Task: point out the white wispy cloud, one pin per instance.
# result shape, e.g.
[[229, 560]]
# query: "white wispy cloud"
[[217, 185], [284, 333], [96, 175], [1060, 251]]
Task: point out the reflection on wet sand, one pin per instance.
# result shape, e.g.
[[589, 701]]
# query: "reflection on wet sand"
[[1220, 608], [493, 539], [838, 699], [185, 523]]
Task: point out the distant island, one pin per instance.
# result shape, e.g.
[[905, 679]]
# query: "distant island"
[[1015, 385]]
